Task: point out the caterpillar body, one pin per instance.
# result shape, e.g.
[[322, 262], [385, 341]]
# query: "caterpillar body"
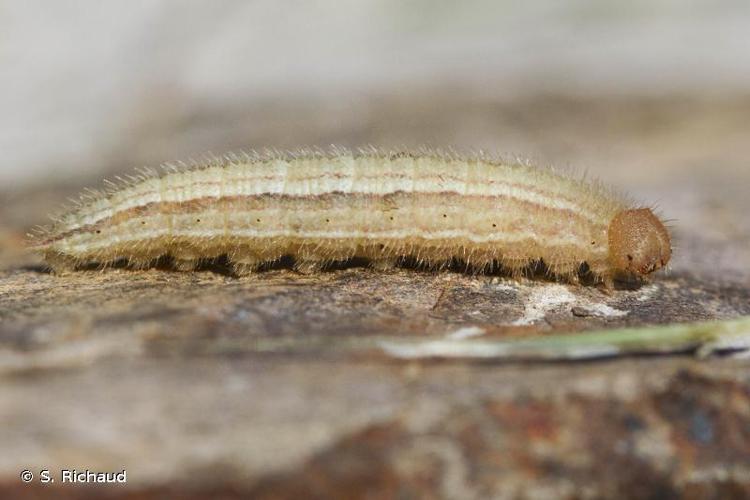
[[324, 206]]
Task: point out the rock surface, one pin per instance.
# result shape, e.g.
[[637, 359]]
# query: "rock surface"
[[202, 384]]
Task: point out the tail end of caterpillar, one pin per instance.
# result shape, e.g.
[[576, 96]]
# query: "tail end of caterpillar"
[[639, 243], [37, 241]]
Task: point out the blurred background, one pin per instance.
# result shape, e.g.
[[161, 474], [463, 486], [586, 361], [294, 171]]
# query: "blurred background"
[[651, 96], [200, 378]]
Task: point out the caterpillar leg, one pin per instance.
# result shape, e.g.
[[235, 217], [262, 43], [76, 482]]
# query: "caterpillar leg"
[[517, 269], [60, 263], [187, 257], [383, 264], [309, 266], [186, 264], [602, 275], [565, 271], [245, 267], [140, 263]]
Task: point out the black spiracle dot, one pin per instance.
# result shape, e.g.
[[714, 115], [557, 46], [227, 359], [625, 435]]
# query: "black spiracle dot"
[[257, 220], [494, 225], [444, 215]]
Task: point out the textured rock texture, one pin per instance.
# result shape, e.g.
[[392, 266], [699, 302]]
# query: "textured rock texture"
[[276, 386]]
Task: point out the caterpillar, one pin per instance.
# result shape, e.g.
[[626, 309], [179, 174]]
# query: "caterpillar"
[[325, 206]]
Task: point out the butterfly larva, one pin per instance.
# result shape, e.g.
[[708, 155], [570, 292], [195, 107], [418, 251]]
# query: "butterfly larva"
[[328, 206]]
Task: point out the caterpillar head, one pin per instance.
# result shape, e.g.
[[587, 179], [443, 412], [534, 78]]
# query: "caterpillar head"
[[639, 244]]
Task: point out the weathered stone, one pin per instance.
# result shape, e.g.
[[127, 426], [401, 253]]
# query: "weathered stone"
[[274, 385]]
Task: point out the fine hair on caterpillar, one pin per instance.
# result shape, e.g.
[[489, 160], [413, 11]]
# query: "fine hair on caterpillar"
[[430, 208]]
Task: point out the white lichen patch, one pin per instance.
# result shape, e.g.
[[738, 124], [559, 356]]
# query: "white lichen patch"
[[542, 300]]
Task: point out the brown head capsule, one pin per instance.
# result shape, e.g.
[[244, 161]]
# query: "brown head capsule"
[[639, 243]]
